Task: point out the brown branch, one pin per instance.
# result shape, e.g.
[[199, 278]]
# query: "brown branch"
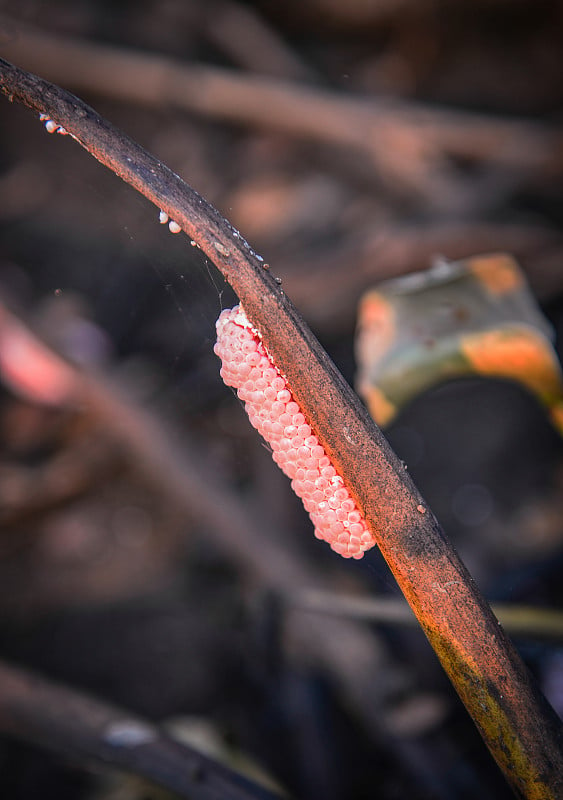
[[79, 727], [519, 727], [250, 41], [527, 621], [408, 146]]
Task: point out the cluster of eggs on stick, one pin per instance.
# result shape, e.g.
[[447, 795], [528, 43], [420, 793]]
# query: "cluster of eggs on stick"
[[247, 366], [272, 410]]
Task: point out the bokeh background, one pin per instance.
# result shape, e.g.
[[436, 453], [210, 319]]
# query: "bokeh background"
[[150, 552]]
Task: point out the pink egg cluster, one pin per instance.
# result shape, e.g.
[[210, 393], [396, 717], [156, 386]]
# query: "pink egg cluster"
[[272, 410]]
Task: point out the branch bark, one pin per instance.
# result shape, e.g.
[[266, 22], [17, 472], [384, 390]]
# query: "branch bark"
[[521, 730]]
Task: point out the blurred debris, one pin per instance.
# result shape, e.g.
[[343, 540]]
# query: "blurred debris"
[[243, 35], [413, 150], [473, 317], [519, 621], [78, 727], [189, 488], [350, 144]]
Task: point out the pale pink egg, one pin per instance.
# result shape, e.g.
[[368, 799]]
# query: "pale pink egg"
[[273, 411]]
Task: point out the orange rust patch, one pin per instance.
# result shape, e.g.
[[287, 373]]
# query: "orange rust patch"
[[522, 355], [499, 274], [380, 408]]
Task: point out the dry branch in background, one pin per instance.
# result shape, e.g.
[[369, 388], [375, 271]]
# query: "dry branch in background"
[[78, 727], [529, 621], [521, 730], [251, 42], [410, 147]]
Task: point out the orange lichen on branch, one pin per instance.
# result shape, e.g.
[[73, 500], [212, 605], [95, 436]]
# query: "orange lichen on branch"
[[247, 366]]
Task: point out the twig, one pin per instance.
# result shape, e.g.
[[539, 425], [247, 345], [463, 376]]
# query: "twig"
[[521, 730], [241, 33], [79, 727], [526, 621], [409, 146]]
